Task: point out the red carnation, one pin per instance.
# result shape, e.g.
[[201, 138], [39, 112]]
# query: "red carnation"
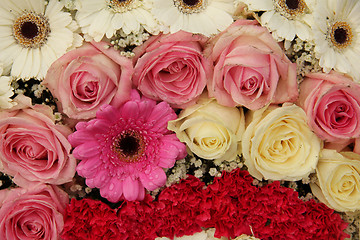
[[90, 219], [137, 219], [326, 224], [179, 207], [229, 200]]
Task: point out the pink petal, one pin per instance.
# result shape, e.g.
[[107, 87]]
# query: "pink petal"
[[154, 179], [161, 114], [132, 189], [113, 190], [108, 113], [101, 179], [170, 151], [130, 110], [86, 150], [79, 137], [89, 167]]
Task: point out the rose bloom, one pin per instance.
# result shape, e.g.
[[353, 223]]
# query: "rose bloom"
[[210, 130], [85, 78], [277, 143], [332, 104], [338, 184], [33, 148], [250, 68], [172, 68], [35, 213]]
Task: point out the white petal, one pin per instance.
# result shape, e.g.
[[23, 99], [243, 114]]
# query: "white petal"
[[37, 6], [19, 63], [36, 62], [53, 8], [48, 56], [117, 21], [257, 5], [131, 24], [96, 29], [266, 17], [220, 18]]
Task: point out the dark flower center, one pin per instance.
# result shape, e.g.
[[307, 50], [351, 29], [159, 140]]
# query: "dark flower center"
[[292, 4], [190, 6], [129, 146], [341, 35], [31, 30], [290, 8], [191, 2]]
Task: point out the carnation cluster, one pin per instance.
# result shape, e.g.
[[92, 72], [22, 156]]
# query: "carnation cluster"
[[231, 205]]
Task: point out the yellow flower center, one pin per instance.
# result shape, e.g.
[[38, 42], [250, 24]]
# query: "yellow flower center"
[[121, 6], [341, 35], [290, 8], [31, 30]]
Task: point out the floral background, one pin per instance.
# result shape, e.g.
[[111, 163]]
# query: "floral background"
[[179, 119]]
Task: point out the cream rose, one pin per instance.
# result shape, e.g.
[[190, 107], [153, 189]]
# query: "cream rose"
[[338, 184], [210, 130], [277, 143]]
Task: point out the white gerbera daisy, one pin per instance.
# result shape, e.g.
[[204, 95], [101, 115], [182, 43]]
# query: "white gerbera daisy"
[[285, 18], [197, 16], [104, 17], [337, 36], [33, 36]]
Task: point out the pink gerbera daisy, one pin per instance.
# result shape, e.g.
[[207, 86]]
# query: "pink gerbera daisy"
[[124, 150]]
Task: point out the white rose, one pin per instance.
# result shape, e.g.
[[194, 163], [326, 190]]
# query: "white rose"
[[210, 130], [338, 184], [278, 144]]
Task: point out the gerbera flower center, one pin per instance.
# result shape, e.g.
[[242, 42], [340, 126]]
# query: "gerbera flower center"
[[341, 35], [129, 146], [190, 6], [290, 8], [31, 30], [122, 5]]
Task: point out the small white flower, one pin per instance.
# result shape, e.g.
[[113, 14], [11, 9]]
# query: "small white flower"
[[33, 35], [6, 91], [337, 36], [285, 18], [104, 17], [196, 16]]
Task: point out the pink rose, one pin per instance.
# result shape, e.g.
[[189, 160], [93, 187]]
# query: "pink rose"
[[32, 147], [332, 105], [35, 213], [85, 78], [250, 68], [172, 68]]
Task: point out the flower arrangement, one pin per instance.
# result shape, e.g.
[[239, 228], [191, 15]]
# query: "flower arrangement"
[[179, 119]]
